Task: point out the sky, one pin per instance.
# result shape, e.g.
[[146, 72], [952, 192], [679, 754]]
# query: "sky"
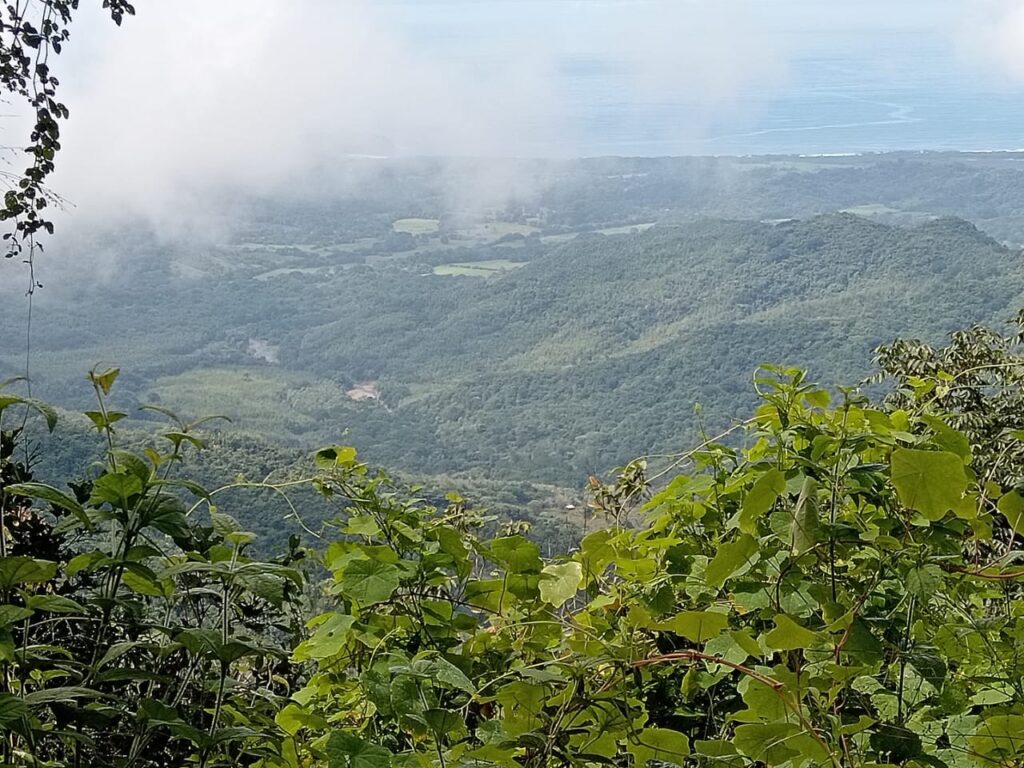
[[193, 95]]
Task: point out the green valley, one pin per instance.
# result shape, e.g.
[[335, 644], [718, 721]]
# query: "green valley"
[[544, 341]]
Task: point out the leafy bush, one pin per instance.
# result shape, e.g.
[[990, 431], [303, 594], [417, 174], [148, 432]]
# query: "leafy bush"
[[818, 598], [131, 632], [827, 585]]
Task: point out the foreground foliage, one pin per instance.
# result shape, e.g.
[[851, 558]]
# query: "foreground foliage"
[[829, 585], [30, 33], [132, 633], [833, 595]]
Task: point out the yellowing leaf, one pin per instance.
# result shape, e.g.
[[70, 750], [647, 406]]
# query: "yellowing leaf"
[[1012, 508], [698, 626], [661, 744], [929, 482], [760, 498], [732, 558], [560, 583], [105, 379], [789, 636]]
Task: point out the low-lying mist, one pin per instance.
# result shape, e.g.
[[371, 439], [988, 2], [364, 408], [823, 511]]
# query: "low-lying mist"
[[193, 104]]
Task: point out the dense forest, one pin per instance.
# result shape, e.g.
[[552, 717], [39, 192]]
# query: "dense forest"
[[513, 351], [526, 365]]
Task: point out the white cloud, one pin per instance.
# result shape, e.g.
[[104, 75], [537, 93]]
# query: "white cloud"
[[257, 94], [991, 34]]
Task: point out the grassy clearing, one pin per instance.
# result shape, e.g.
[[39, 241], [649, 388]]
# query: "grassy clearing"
[[478, 268], [555, 239], [313, 249], [253, 398], [627, 230], [493, 230], [873, 209], [263, 277], [417, 226], [360, 244]]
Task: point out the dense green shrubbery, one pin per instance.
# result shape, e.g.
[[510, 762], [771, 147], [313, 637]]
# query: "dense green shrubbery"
[[133, 632], [829, 585], [839, 593]]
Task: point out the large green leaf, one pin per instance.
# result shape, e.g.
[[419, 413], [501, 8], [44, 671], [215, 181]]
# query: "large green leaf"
[[369, 581], [12, 709], [268, 586], [445, 672], [106, 420], [760, 498], [294, 718], [1011, 506], [698, 626], [43, 409], [62, 694], [896, 744], [336, 457], [330, 637], [523, 704], [929, 482], [517, 554], [1000, 738], [346, 750], [789, 636], [117, 489], [487, 594], [661, 744], [445, 723], [362, 525], [208, 643], [805, 528], [51, 496], [17, 570], [948, 438], [764, 703], [157, 712], [924, 581], [767, 742], [732, 558], [168, 517], [559, 583], [12, 614]]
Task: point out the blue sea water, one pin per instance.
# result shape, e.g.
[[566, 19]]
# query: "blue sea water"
[[881, 87]]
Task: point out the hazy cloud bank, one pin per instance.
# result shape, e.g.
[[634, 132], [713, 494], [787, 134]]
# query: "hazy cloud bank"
[[992, 34], [192, 96]]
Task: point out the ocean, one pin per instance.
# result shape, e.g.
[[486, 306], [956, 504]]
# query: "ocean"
[[838, 91]]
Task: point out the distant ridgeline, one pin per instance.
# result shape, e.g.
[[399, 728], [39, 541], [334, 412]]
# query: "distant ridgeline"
[[544, 341]]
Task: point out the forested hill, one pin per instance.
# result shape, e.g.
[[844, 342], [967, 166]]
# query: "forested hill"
[[620, 336], [544, 359]]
